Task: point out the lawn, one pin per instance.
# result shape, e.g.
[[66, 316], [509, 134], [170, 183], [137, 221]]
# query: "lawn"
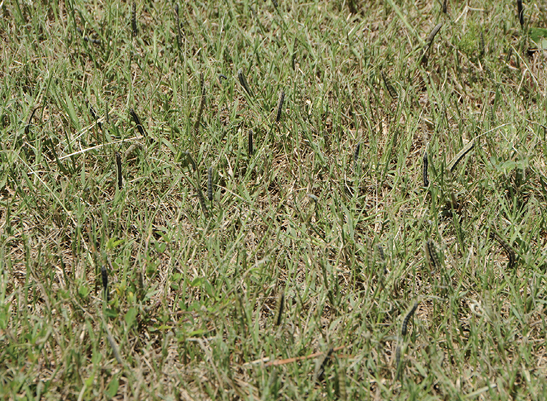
[[265, 200]]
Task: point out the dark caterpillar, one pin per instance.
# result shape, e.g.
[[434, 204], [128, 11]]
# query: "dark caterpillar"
[[506, 247], [407, 318], [280, 105], [119, 164], [279, 308], [210, 183]]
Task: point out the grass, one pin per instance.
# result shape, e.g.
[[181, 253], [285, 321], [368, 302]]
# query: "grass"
[[331, 237]]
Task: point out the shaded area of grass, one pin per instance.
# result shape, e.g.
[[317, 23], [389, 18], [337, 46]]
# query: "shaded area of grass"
[[197, 259]]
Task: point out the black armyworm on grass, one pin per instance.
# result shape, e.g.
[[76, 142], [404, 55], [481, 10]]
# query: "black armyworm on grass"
[[134, 19], [426, 164], [177, 21], [94, 115], [482, 45], [398, 362], [356, 153], [104, 276], [137, 121], [107, 114], [356, 157], [320, 365], [521, 13], [210, 183], [466, 149], [431, 37], [113, 344], [221, 77], [445, 6], [431, 255], [279, 307], [429, 42], [382, 258], [201, 198], [280, 105], [27, 128], [506, 247], [381, 253], [188, 159], [390, 88], [250, 142], [119, 164], [407, 318], [243, 82], [274, 3], [342, 393], [201, 104]]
